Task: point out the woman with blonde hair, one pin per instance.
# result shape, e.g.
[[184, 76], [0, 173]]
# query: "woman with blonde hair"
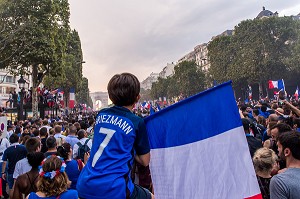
[[53, 181], [264, 161]]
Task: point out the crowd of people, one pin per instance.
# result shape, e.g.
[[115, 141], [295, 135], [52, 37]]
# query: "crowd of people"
[[66, 141], [272, 133], [47, 96], [64, 158]]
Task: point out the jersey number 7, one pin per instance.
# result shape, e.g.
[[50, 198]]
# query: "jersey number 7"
[[109, 133]]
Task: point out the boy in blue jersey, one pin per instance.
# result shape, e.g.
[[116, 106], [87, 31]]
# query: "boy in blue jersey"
[[119, 136]]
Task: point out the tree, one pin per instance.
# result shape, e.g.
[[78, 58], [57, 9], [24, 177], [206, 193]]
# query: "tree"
[[39, 32], [220, 55], [83, 94], [70, 74], [189, 78], [257, 52]]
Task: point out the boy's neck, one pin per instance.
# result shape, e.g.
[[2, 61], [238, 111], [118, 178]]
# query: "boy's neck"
[[130, 107]]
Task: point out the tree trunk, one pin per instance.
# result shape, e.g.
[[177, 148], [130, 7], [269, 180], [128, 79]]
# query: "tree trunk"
[[34, 91]]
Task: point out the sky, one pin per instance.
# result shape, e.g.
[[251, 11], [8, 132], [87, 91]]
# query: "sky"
[[141, 37]]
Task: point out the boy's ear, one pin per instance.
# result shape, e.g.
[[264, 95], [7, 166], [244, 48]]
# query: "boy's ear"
[[138, 98]]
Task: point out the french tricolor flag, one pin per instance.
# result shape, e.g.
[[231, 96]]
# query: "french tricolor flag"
[[72, 98], [279, 84], [199, 149]]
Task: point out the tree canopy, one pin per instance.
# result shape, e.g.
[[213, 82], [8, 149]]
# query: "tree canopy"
[[35, 38], [187, 80], [259, 50]]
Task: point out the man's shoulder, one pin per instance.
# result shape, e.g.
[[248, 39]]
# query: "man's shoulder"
[[284, 177]]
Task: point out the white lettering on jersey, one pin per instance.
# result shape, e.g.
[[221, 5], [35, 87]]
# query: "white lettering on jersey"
[[110, 119]]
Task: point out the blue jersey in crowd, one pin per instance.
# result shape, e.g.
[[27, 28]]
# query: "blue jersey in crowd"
[[118, 135]]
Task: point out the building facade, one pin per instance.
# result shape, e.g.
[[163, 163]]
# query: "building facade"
[[201, 57], [188, 57], [9, 84], [167, 71], [147, 83]]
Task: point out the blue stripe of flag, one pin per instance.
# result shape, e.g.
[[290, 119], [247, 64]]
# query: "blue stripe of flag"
[[199, 117]]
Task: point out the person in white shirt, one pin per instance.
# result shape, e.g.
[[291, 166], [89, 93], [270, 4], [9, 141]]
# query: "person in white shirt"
[[82, 136], [32, 145]]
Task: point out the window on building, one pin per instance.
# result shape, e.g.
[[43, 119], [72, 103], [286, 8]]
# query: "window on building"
[[9, 79]]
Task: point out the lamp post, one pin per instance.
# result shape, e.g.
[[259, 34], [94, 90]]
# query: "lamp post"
[[21, 83]]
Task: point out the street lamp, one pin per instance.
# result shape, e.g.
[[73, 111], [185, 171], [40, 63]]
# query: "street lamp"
[[21, 83]]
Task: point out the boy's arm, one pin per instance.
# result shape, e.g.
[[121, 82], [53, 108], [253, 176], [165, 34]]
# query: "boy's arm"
[[143, 159], [141, 145]]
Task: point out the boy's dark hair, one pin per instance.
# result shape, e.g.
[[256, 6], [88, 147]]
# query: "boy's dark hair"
[[51, 142], [291, 140], [14, 138], [32, 144], [123, 89]]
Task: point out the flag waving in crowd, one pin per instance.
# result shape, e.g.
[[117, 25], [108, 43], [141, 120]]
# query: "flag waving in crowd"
[[250, 92], [297, 93], [72, 98], [279, 84], [199, 149]]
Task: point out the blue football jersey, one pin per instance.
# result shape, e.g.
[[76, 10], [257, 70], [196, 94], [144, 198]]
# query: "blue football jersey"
[[118, 135]]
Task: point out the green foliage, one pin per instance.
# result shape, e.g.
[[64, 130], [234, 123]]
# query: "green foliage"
[[34, 33], [70, 74], [83, 94], [187, 80], [259, 50], [35, 38]]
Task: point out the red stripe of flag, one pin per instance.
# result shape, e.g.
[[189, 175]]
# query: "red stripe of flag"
[[258, 196]]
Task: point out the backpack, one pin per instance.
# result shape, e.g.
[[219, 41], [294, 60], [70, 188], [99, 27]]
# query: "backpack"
[[83, 148]]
